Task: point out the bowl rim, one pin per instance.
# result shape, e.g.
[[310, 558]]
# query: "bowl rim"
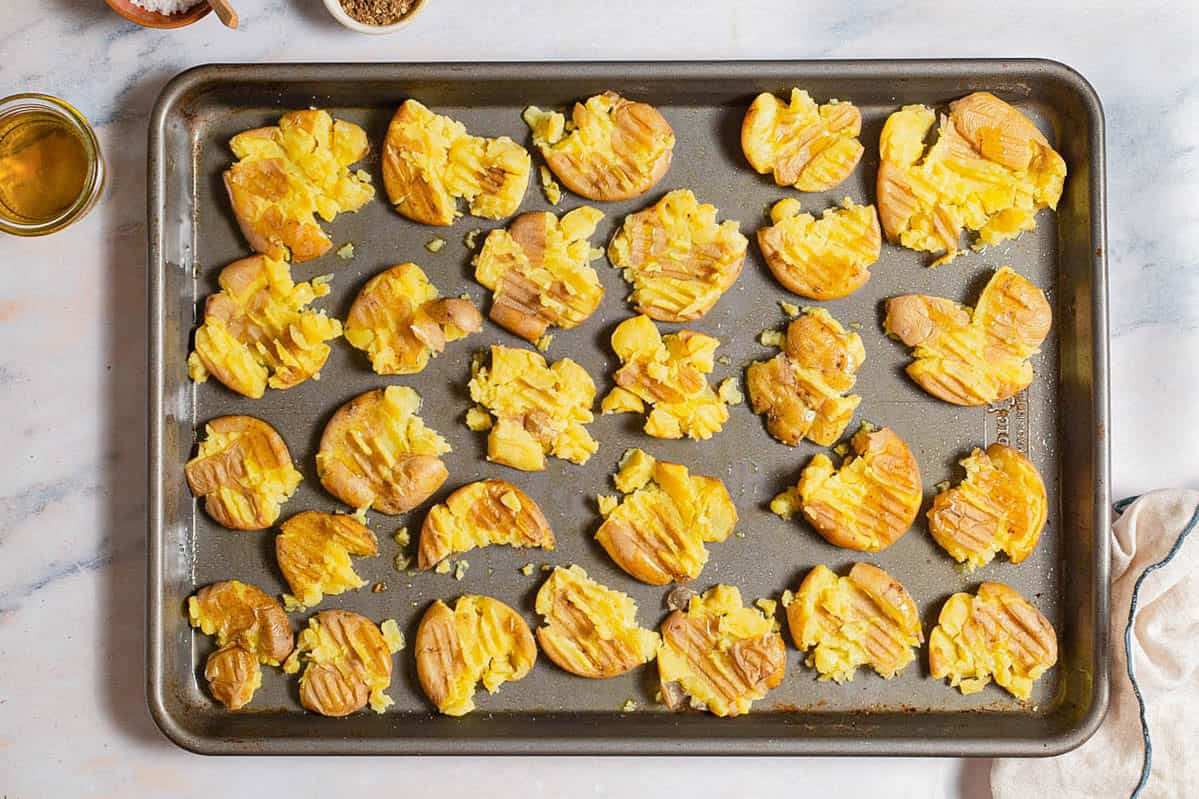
[[338, 13], [156, 20]]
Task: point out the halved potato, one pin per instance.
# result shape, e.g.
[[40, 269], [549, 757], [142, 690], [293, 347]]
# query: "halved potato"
[[611, 149], [591, 630], [243, 471], [668, 373], [538, 409], [480, 640], [973, 357], [287, 173], [657, 531], [802, 391], [678, 259], [865, 619], [430, 161], [481, 514], [822, 259], [347, 662], [867, 504], [995, 634], [990, 170], [810, 147], [540, 272], [313, 550], [250, 628], [258, 330], [718, 655], [1001, 505], [376, 452], [400, 320]]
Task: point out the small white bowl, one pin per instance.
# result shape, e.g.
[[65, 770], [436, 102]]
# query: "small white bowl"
[[347, 21]]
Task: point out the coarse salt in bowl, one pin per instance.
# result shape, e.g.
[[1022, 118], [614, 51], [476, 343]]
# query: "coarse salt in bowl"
[[339, 13], [149, 13]]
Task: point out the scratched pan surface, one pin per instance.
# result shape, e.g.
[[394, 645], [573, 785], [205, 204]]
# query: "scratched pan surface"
[[1061, 421]]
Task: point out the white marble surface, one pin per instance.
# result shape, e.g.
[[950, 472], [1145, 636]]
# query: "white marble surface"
[[73, 719]]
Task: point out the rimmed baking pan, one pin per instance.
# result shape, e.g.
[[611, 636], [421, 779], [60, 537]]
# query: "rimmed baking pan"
[[1061, 421]]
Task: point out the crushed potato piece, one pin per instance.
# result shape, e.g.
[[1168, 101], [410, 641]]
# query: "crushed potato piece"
[[444, 567], [629, 706], [460, 568], [553, 192], [808, 146], [789, 308], [527, 570], [346, 251], [347, 663], [481, 514], [472, 238], [435, 244], [771, 338], [313, 550], [729, 392], [667, 372], [538, 409], [402, 537], [787, 598], [822, 259], [401, 562], [995, 634]]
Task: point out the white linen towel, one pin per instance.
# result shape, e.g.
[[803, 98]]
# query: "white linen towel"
[[1150, 749]]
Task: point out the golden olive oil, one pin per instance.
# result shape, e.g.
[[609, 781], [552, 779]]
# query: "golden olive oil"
[[44, 166]]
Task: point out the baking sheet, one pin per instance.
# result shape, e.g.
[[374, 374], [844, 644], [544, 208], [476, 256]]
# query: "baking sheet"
[[1061, 421]]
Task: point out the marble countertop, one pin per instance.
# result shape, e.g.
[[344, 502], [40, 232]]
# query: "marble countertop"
[[73, 718]]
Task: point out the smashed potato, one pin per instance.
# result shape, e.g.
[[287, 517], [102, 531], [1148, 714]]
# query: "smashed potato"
[[973, 357], [377, 453], [718, 655], [677, 258], [867, 504], [668, 373], [657, 531], [243, 470], [865, 619], [810, 147], [258, 330], [802, 390], [313, 550], [287, 173], [995, 634], [1001, 505], [348, 662], [480, 640], [250, 628], [481, 514], [591, 630], [990, 170], [430, 161], [537, 409], [400, 320], [822, 259], [611, 149], [540, 272]]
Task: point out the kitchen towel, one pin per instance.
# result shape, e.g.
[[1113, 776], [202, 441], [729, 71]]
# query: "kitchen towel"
[[1145, 746]]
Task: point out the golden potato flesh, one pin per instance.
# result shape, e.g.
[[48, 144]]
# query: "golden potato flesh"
[[288, 174], [347, 662], [591, 630], [865, 505], [400, 320], [376, 452], [535, 409], [667, 372], [822, 259], [990, 170], [995, 634], [250, 628], [719, 655], [802, 390], [313, 550], [258, 330], [243, 471], [657, 531], [480, 640], [611, 149], [430, 161], [481, 514], [1001, 505], [678, 259], [811, 147], [973, 357], [540, 272], [864, 619]]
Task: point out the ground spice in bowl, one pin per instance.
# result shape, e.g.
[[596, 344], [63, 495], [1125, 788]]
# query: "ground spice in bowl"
[[378, 12]]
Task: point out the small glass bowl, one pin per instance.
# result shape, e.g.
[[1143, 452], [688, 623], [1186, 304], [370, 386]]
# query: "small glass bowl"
[[93, 185]]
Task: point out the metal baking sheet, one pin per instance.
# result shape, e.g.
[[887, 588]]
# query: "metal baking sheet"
[[1061, 421]]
